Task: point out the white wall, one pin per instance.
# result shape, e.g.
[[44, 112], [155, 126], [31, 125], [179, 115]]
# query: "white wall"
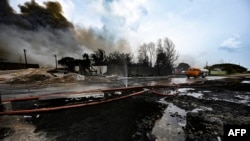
[[100, 69]]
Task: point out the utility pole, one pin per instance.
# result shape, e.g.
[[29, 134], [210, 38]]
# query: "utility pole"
[[55, 60], [1, 106], [26, 64]]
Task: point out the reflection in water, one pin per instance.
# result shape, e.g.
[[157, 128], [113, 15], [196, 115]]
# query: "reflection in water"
[[160, 82], [170, 126], [126, 74]]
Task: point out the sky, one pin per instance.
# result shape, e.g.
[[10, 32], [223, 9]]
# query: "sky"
[[203, 31]]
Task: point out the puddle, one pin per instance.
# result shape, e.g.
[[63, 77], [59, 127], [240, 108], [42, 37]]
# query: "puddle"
[[195, 95], [245, 99], [190, 92], [215, 77], [182, 90], [230, 96], [245, 82], [170, 126], [240, 97], [202, 108]]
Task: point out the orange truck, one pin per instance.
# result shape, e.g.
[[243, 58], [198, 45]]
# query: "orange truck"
[[196, 72]]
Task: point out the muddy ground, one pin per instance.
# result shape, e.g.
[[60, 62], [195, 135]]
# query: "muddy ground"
[[207, 108], [224, 102], [129, 119]]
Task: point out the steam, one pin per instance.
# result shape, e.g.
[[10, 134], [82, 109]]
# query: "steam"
[[43, 31]]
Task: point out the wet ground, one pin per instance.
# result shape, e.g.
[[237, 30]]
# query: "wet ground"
[[144, 117]]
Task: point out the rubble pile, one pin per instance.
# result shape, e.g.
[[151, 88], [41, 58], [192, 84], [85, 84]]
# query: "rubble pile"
[[39, 76], [30, 76], [48, 76]]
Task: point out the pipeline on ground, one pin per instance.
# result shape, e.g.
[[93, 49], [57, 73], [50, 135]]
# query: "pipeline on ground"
[[136, 90]]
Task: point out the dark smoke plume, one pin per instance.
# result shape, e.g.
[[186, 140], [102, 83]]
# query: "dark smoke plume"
[[44, 31], [34, 16]]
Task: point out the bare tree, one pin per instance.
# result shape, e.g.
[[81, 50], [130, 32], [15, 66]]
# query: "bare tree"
[[151, 50], [160, 57], [159, 45], [170, 51], [166, 56], [143, 54]]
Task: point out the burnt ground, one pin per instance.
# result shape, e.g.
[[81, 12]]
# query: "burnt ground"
[[221, 97], [208, 125], [134, 118], [129, 119], [121, 121]]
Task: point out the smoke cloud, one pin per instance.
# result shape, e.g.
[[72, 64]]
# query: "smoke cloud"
[[44, 31], [95, 39], [39, 44]]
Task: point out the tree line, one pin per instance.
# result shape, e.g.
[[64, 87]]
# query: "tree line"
[[159, 57]]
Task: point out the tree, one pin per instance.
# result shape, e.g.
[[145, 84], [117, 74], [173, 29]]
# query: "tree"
[[170, 51], [166, 56], [143, 56], [183, 66], [117, 58], [146, 54], [160, 58], [229, 68], [99, 57], [151, 50], [160, 54]]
